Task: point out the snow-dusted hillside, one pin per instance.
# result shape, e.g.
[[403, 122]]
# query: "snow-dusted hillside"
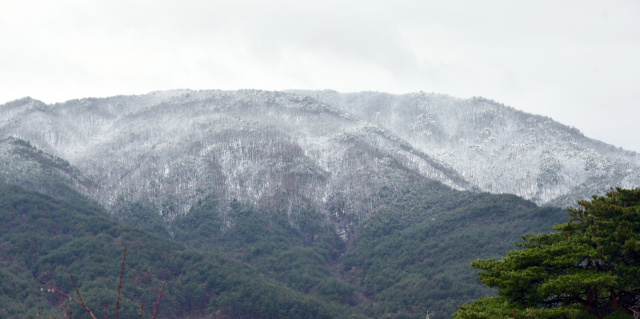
[[168, 149], [314, 148], [497, 148], [22, 164]]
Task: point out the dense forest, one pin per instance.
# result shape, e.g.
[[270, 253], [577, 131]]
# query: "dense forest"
[[46, 239], [410, 257]]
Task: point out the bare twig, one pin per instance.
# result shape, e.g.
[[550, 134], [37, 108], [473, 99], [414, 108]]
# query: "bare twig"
[[82, 301], [106, 306], [64, 309], [54, 289], [158, 303], [77, 290], [120, 284]]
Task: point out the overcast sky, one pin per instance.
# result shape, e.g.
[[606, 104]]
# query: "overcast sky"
[[576, 61]]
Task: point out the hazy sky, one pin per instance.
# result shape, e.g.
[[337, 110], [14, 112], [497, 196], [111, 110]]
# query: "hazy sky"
[[576, 61]]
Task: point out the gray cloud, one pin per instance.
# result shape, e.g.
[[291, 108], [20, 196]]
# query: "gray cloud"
[[575, 61]]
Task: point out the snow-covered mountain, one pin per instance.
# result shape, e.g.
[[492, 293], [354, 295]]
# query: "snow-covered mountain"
[[314, 148], [496, 147], [274, 149]]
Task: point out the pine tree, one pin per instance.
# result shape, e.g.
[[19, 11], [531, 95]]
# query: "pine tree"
[[590, 267]]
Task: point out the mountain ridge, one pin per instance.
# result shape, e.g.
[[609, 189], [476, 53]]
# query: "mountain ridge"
[[268, 148], [480, 130], [297, 148]]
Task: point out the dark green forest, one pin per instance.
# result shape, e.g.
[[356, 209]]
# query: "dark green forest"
[[411, 256], [48, 239]]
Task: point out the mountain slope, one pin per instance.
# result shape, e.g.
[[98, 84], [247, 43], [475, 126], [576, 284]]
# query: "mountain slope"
[[408, 258], [45, 239], [497, 148], [169, 149], [24, 165], [406, 247], [321, 149]]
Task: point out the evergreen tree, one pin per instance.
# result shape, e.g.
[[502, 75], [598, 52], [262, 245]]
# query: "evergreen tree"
[[590, 267]]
